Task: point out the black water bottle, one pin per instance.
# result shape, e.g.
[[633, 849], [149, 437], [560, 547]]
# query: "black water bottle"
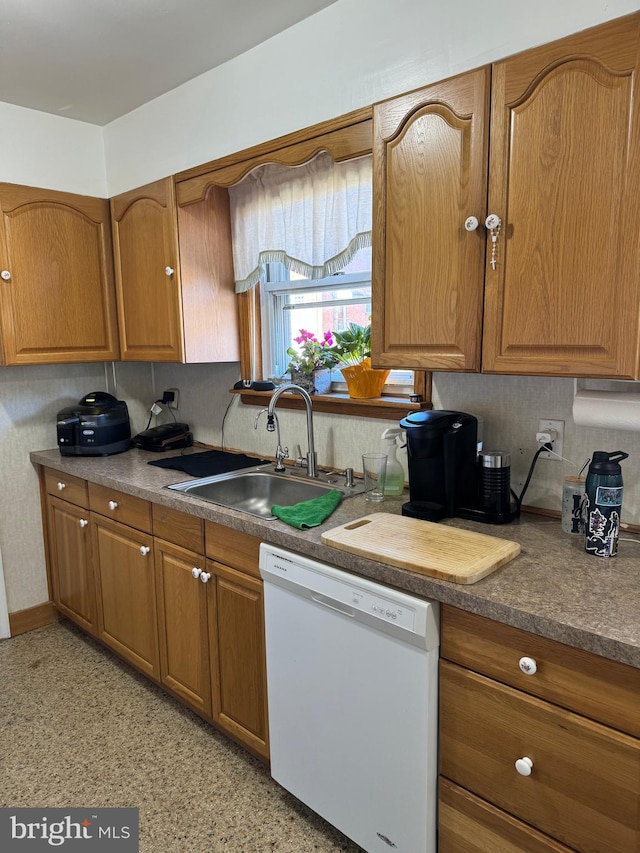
[[603, 503]]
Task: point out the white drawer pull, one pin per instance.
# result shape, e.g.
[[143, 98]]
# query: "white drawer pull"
[[61, 486], [144, 550], [83, 522], [528, 666], [113, 504], [196, 572], [524, 766], [204, 577]]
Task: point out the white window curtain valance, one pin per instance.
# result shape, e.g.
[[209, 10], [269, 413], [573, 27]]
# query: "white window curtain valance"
[[311, 218]]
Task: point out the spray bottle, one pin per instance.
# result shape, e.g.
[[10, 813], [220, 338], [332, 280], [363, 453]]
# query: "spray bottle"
[[394, 477]]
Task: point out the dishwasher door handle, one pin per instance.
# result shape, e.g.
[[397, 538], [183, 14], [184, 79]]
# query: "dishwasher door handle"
[[332, 604]]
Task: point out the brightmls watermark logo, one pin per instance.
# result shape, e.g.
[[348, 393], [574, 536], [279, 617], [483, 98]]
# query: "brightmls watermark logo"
[[79, 830]]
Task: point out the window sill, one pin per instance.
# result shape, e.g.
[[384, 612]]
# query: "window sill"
[[384, 408]]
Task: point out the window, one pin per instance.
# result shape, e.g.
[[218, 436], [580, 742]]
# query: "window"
[[291, 303]]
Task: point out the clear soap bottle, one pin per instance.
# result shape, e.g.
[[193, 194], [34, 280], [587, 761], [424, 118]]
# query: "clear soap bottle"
[[394, 477]]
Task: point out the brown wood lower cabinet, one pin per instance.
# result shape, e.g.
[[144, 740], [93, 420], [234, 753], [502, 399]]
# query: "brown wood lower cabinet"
[[517, 764], [135, 575], [238, 663], [183, 631], [72, 581], [127, 613]]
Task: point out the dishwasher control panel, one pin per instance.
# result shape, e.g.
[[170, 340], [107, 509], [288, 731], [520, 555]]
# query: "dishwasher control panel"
[[384, 609]]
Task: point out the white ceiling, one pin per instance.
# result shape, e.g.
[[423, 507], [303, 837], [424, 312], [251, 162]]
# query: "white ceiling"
[[95, 60]]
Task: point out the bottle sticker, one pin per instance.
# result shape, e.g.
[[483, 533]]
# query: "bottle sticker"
[[609, 495]]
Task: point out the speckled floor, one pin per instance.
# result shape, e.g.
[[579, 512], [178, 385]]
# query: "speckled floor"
[[78, 727]]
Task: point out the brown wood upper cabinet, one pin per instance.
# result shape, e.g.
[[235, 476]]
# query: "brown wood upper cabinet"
[[429, 161], [174, 276], [57, 301], [561, 294]]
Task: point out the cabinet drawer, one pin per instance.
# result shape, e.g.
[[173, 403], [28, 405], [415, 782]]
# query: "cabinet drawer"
[[178, 527], [468, 823], [135, 512], [602, 689], [232, 547], [584, 786], [66, 486]]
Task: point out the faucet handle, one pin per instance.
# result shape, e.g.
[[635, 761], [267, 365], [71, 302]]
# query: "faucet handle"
[[261, 412], [301, 460], [281, 453], [348, 477]]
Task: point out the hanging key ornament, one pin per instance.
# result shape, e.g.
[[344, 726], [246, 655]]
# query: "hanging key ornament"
[[492, 224]]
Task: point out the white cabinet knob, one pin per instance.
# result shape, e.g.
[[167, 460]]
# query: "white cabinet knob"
[[528, 666], [144, 550], [61, 486], [196, 572], [524, 766], [204, 576], [492, 221], [6, 275], [471, 223], [113, 504], [168, 271], [83, 522]]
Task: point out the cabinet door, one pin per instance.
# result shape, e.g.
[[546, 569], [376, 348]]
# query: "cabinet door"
[[127, 611], [182, 624], [564, 178], [145, 246], [429, 160], [57, 301], [238, 663], [71, 574]]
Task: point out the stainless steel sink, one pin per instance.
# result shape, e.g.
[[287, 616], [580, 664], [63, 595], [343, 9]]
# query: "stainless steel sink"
[[256, 491]]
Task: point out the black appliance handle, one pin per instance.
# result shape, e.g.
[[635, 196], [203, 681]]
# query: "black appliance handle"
[[450, 470]]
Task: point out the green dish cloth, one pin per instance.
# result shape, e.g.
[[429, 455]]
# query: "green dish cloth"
[[310, 513]]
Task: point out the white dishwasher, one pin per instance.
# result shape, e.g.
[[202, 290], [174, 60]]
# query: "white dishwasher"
[[352, 675]]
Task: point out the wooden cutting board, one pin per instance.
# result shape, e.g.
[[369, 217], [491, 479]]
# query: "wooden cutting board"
[[449, 553]]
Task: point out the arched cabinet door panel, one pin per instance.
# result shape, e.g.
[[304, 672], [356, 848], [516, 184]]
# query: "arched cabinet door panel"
[[563, 295], [57, 300], [430, 154], [174, 275]]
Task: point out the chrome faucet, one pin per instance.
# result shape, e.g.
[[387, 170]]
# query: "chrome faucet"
[[311, 459]]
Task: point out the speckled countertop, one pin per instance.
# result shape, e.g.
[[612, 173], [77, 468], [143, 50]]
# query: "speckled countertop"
[[553, 588]]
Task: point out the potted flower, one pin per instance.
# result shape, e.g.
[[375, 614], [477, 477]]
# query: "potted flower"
[[310, 364], [352, 349]]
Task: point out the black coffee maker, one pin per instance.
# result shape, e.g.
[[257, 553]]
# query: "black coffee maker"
[[448, 476]]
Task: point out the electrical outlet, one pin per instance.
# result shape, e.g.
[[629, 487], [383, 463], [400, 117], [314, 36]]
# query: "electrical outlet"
[[547, 425], [175, 403]]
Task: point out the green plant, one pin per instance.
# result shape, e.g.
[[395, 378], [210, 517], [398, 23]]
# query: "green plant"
[[312, 353], [353, 344]]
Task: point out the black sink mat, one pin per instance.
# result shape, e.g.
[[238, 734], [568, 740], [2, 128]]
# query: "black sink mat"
[[209, 462]]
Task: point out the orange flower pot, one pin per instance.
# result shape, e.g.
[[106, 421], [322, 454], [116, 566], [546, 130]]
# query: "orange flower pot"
[[363, 381]]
